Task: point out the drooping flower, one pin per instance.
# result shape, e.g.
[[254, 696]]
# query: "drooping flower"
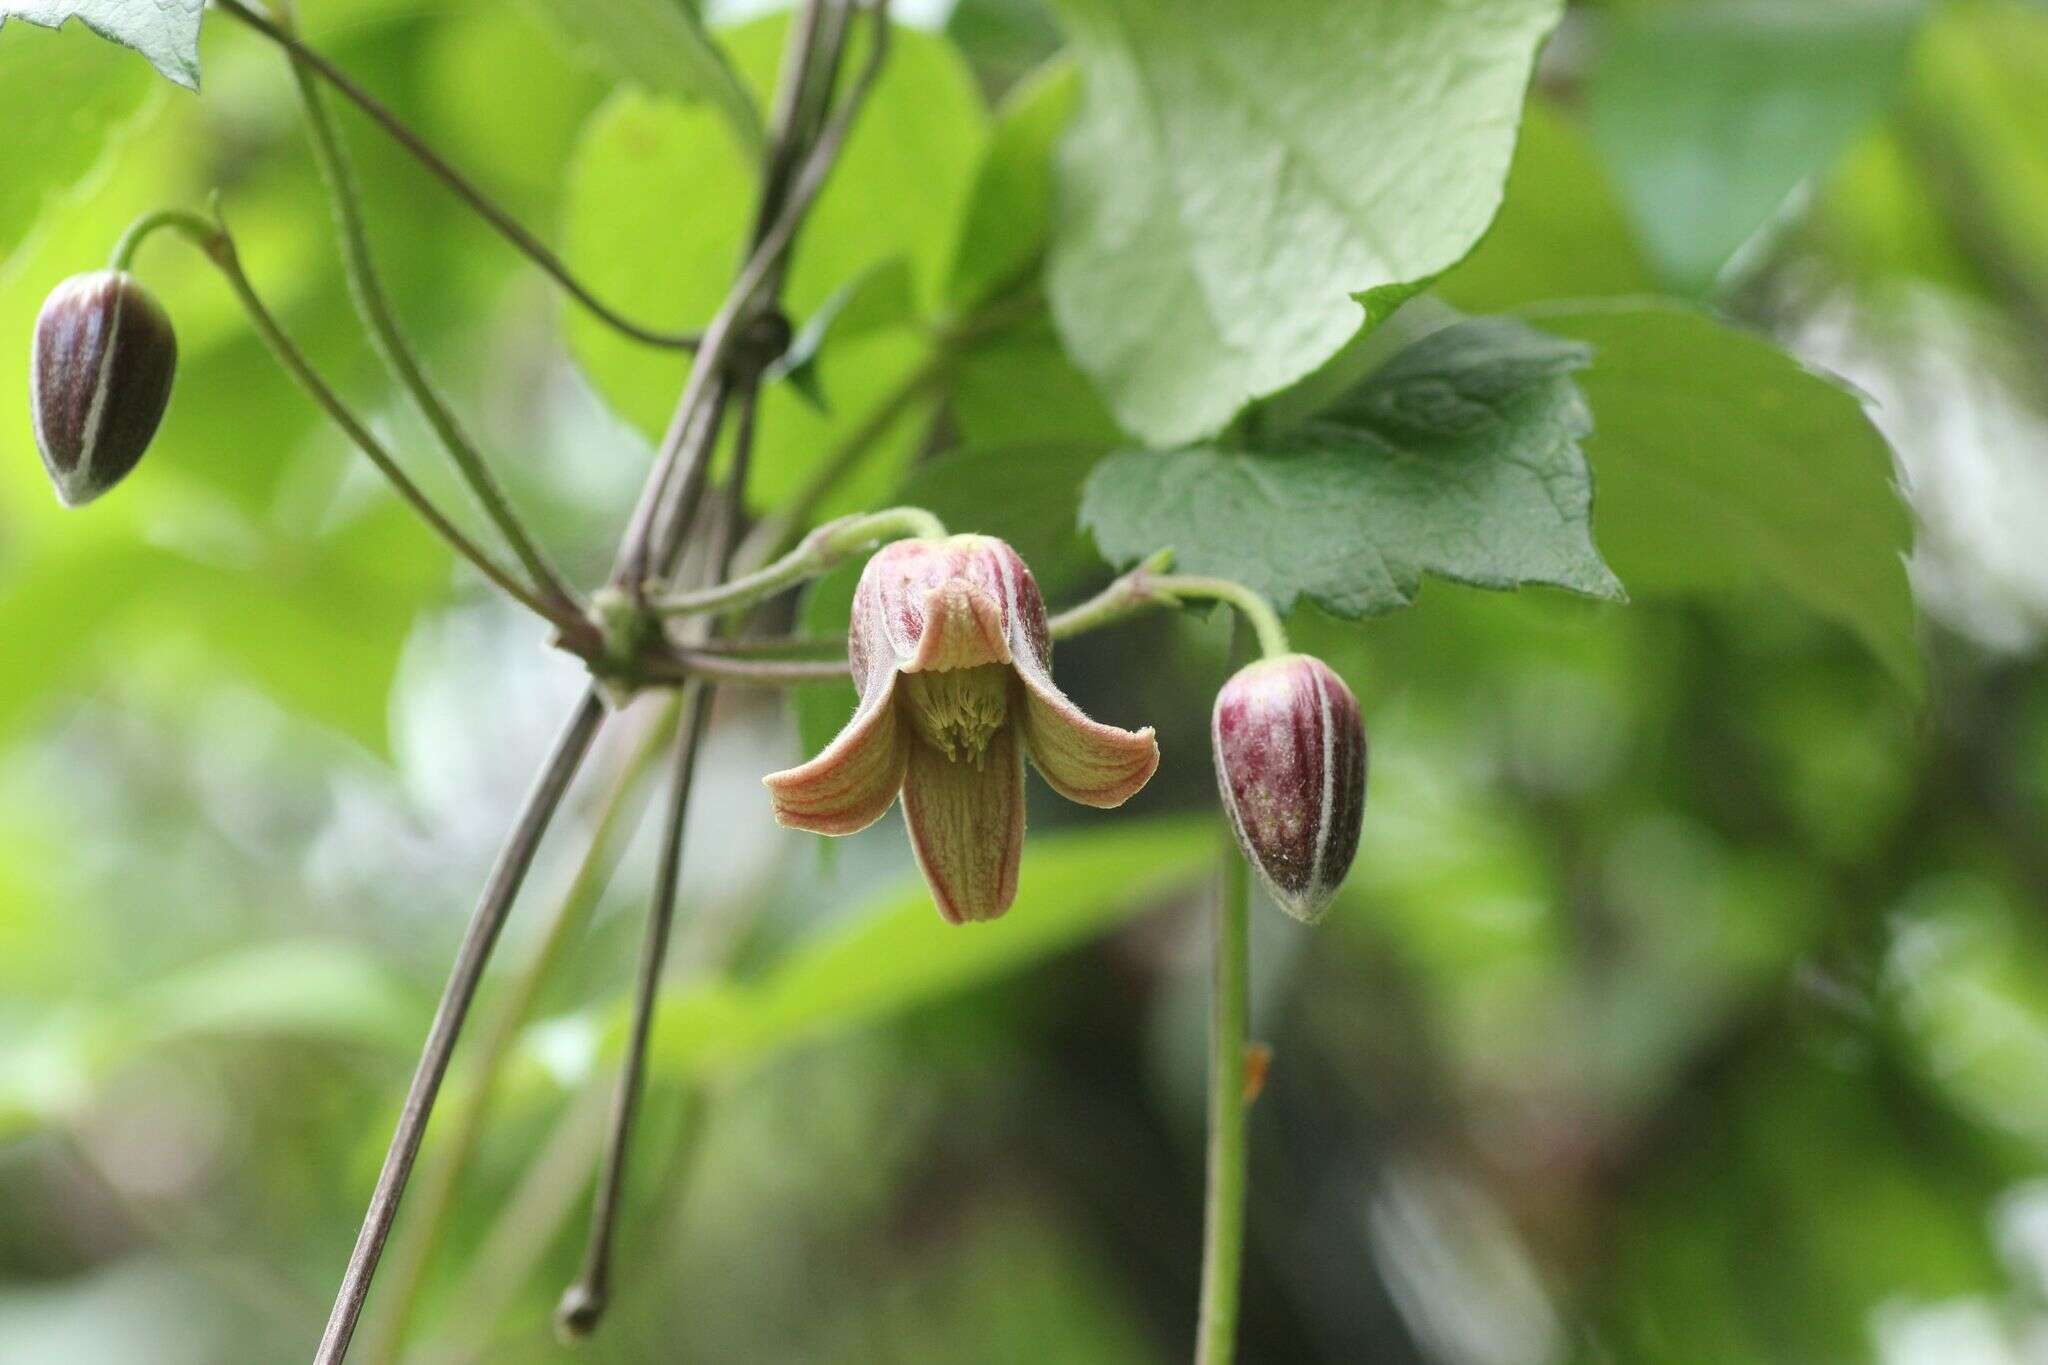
[[1290, 762], [952, 660], [100, 370]]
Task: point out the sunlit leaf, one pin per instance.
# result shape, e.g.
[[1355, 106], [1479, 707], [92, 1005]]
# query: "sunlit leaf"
[[164, 31], [1246, 185]]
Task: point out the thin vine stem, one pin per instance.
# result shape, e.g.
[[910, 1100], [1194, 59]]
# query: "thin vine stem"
[[1149, 585], [214, 241], [460, 185], [689, 436], [492, 909], [663, 539], [381, 321], [823, 550], [1223, 1234], [434, 1193], [655, 535], [584, 1302]]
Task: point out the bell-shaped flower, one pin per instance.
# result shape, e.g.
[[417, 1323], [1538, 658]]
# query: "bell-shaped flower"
[[1290, 762], [952, 660]]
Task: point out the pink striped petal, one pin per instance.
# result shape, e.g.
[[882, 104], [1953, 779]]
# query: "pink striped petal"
[[1082, 759], [967, 826], [851, 783], [963, 628]]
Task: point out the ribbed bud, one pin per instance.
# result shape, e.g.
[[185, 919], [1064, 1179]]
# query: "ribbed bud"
[[100, 372], [1290, 761]]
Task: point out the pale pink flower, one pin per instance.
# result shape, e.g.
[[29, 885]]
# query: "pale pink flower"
[[952, 659]]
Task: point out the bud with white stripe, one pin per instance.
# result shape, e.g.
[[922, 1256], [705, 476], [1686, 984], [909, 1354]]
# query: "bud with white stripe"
[[100, 372], [1290, 761]]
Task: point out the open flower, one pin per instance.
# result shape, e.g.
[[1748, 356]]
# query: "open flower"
[[952, 659]]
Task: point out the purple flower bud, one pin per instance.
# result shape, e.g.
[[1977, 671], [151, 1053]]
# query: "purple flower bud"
[[1290, 761], [99, 376]]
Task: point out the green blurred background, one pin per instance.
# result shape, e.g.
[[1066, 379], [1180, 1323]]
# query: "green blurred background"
[[1688, 1003]]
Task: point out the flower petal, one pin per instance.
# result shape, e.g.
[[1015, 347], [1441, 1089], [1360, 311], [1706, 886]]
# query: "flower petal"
[[849, 785], [963, 628], [932, 604], [1082, 759], [967, 826]]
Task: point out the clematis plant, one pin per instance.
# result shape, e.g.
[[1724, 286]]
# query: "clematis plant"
[[952, 658], [949, 643]]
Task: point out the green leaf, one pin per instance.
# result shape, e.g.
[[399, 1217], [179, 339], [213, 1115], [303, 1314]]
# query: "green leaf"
[[1561, 232], [164, 31], [897, 953], [1009, 213], [67, 95], [1246, 185], [1460, 457], [1721, 461], [1711, 114], [662, 47]]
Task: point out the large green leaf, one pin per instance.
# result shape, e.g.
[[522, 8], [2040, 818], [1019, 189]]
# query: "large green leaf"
[[1459, 457], [897, 952], [1721, 461], [661, 46], [1710, 114], [66, 95], [1242, 178], [164, 31]]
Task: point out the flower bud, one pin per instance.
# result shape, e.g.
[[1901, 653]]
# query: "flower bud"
[[99, 376], [1290, 761]]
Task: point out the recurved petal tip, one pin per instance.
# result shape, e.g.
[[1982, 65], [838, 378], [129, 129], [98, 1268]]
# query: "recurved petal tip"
[[1084, 760], [849, 785], [963, 628]]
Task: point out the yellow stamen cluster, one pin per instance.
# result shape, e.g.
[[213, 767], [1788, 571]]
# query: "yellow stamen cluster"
[[958, 711]]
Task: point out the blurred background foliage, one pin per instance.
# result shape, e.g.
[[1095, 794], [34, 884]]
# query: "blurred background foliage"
[[1690, 998]]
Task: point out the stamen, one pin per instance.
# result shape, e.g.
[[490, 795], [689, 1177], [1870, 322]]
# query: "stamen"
[[958, 711]]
